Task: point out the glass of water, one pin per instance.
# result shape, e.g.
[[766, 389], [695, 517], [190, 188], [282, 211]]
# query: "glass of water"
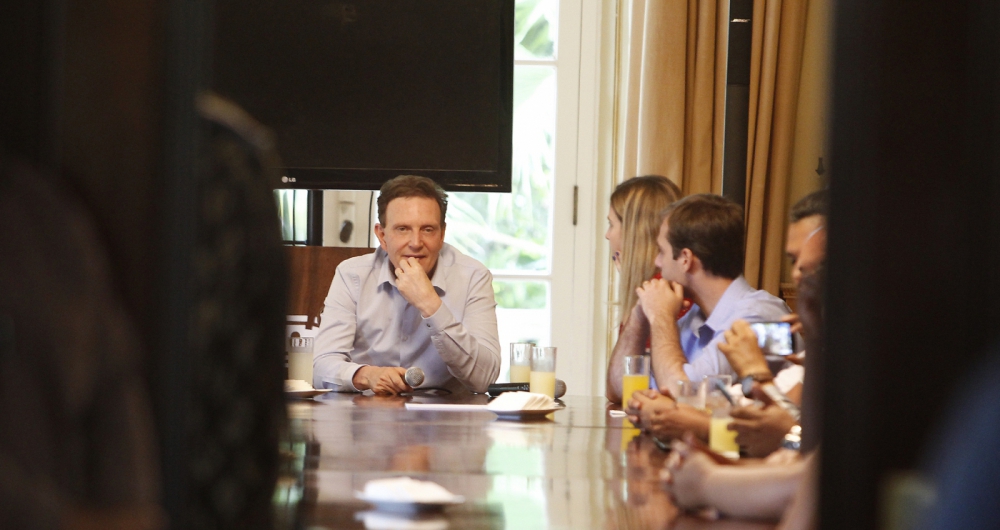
[[689, 393]]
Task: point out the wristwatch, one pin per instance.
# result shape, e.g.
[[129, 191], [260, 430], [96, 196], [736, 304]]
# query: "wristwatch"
[[771, 391], [793, 440], [759, 377]]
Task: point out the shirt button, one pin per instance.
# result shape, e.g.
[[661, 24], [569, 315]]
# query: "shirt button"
[[404, 338]]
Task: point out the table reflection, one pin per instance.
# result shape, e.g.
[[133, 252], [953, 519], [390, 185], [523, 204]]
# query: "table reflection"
[[579, 469]]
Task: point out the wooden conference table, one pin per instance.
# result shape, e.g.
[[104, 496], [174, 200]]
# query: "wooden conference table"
[[580, 469]]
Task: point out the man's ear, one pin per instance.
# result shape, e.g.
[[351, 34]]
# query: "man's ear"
[[380, 234], [687, 260]]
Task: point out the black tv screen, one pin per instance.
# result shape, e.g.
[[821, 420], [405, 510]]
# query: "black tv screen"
[[358, 92]]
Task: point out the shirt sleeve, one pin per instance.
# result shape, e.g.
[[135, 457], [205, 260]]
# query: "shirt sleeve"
[[470, 348], [332, 366], [789, 376]]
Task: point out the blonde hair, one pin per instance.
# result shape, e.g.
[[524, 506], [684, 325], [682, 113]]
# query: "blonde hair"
[[638, 202]]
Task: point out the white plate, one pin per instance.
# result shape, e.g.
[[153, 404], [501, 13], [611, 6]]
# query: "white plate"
[[306, 394], [409, 507], [454, 407], [520, 415], [376, 520]]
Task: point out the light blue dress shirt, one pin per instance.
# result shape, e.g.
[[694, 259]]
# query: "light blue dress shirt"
[[366, 321], [700, 337]]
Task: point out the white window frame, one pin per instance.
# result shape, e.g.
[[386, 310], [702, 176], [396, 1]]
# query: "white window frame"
[[584, 123]]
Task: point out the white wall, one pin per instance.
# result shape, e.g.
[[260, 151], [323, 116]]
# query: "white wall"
[[357, 207]]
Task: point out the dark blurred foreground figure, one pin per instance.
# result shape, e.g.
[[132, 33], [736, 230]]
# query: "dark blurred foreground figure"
[[77, 447], [237, 327], [964, 463]]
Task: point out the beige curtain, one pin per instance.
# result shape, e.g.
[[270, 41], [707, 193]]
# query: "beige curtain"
[[672, 81], [673, 91], [775, 66]]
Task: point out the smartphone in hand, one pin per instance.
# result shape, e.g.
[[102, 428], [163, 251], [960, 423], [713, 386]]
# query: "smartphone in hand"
[[774, 338]]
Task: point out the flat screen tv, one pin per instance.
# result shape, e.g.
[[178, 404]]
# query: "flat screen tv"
[[360, 91]]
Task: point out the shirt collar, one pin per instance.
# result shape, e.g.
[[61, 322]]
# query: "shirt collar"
[[384, 266], [446, 258], [726, 307]]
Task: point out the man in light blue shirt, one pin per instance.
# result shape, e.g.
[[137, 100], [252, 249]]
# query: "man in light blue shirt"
[[700, 336], [415, 302], [701, 256]]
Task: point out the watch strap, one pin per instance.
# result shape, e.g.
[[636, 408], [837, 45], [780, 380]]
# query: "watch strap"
[[758, 377]]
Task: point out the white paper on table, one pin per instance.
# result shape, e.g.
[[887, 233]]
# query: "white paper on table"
[[297, 385], [457, 407]]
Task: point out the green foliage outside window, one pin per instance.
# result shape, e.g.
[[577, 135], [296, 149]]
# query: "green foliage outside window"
[[520, 294], [532, 31], [509, 232]]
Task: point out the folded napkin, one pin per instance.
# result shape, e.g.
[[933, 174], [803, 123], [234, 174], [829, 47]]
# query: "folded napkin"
[[513, 401], [297, 385], [406, 489]]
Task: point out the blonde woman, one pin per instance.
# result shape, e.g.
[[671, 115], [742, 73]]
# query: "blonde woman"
[[633, 224]]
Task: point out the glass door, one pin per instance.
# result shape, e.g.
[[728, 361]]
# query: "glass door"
[[528, 237]]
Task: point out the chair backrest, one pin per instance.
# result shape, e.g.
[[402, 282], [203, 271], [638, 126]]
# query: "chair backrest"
[[311, 271]]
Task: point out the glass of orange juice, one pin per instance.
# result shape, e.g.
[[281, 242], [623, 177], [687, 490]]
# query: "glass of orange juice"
[[520, 362], [636, 376], [720, 438], [543, 371]]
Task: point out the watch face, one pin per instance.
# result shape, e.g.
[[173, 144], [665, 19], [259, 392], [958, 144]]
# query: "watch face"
[[747, 383]]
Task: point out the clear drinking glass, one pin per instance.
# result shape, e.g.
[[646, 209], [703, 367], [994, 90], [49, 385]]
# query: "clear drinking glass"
[[689, 393], [300, 358], [543, 371], [713, 397], [720, 438], [520, 362], [636, 376]]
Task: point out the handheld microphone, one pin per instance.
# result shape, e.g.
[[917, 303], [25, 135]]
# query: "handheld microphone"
[[414, 377], [499, 388]]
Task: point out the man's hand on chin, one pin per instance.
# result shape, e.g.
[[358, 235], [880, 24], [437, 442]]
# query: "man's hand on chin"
[[661, 300], [381, 379], [416, 287]]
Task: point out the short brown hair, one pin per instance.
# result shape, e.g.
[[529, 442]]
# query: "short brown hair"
[[410, 186], [711, 227], [816, 203]]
